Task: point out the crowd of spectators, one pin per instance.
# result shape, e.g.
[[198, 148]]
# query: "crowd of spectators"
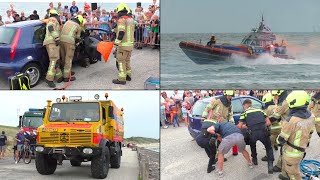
[[147, 22], [175, 108]]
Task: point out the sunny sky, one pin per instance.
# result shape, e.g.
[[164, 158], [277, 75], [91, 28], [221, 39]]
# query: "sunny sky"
[[211, 16], [141, 108]]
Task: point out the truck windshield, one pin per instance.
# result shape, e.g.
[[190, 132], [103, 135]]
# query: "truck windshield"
[[68, 112], [33, 122]]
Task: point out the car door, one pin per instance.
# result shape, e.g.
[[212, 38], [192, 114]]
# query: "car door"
[[41, 54], [237, 109]]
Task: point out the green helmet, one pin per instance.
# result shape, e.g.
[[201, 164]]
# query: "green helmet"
[[267, 98], [228, 93], [297, 99], [276, 92]]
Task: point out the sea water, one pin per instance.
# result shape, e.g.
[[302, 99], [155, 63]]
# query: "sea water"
[[179, 72]]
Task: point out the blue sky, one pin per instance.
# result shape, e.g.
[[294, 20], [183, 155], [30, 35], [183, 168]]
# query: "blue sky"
[[141, 108], [212, 16]]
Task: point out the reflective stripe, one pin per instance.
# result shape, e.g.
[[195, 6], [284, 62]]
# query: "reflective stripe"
[[276, 126], [251, 110], [210, 106], [211, 120], [126, 44], [205, 114], [121, 27], [217, 109], [297, 139], [318, 119], [286, 136], [294, 154]]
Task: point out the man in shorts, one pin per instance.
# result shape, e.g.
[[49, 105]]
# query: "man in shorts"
[[3, 142], [20, 143], [229, 135]]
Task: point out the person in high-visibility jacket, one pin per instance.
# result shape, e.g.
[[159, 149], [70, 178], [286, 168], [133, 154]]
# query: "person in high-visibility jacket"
[[52, 44], [70, 38], [124, 43], [275, 127], [281, 111], [314, 107], [294, 135]]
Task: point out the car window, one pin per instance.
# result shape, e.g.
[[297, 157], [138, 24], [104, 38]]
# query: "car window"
[[6, 35], [198, 108], [39, 34], [237, 106], [256, 103]]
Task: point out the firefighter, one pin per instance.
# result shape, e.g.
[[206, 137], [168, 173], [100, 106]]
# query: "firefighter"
[[315, 109], [208, 142], [281, 111], [52, 44], [294, 135], [256, 121], [70, 38], [124, 43], [275, 127]]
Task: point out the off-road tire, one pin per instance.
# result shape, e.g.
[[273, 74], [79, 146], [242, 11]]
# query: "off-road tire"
[[115, 160], [75, 163], [100, 164], [45, 164]]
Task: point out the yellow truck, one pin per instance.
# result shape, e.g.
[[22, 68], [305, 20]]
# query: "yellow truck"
[[80, 131]]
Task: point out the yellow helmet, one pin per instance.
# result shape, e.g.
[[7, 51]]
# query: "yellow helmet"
[[228, 93], [53, 12], [267, 98], [80, 18], [122, 7], [276, 92], [297, 99]]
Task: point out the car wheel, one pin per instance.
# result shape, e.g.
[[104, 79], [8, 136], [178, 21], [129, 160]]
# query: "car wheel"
[[34, 73], [93, 60]]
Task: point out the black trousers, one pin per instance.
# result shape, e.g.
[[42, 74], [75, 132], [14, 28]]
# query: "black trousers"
[[262, 136], [211, 150]]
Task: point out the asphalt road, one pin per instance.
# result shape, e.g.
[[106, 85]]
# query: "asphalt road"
[[98, 76], [182, 158], [129, 169]]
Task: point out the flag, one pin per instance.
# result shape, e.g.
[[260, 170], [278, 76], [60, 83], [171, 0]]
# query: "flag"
[[105, 48]]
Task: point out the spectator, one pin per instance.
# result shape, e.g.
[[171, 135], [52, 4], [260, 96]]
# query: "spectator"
[[20, 142], [74, 9], [185, 108], [8, 19], [47, 15], [3, 142], [86, 7], [63, 19], [154, 29], [22, 17], [146, 32], [59, 8], [34, 16], [51, 7], [139, 27], [1, 22], [16, 18], [104, 24], [66, 10], [163, 116]]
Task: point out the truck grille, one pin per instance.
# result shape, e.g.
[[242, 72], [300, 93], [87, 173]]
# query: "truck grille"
[[65, 138]]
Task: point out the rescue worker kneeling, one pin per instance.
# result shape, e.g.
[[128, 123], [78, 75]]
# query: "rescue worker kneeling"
[[70, 38], [52, 43], [257, 121], [294, 135]]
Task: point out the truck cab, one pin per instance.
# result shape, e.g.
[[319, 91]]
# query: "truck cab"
[[31, 120], [80, 131]]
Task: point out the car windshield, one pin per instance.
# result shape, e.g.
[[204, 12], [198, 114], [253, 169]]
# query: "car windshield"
[[198, 108], [68, 112], [6, 35], [32, 121]]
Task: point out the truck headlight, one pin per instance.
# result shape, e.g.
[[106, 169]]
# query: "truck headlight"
[[87, 150], [39, 148]]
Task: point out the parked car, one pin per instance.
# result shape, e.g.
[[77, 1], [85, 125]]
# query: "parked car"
[[196, 112], [22, 50]]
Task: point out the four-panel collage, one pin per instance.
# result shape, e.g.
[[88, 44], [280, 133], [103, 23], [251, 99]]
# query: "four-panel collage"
[[91, 89]]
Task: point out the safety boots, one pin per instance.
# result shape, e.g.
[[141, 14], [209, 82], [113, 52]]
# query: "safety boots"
[[50, 84]]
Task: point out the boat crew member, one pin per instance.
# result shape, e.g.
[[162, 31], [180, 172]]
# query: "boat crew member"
[[256, 121], [281, 111], [294, 135], [212, 41]]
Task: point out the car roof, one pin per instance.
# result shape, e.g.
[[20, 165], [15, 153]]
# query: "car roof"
[[207, 100], [24, 24]]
